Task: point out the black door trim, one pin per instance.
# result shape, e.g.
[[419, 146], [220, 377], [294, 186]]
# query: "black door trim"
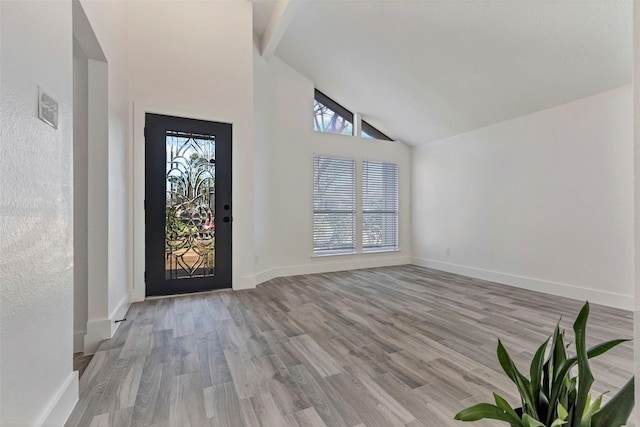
[[156, 127]]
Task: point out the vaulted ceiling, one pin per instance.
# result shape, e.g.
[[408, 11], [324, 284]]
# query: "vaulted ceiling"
[[425, 70]]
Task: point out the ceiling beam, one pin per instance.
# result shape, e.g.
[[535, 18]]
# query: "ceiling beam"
[[283, 13]]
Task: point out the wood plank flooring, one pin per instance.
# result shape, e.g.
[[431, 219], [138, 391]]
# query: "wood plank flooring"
[[396, 346]]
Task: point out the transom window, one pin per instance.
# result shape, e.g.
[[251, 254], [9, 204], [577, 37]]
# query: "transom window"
[[370, 132], [329, 116]]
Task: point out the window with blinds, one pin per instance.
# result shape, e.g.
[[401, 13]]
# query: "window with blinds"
[[379, 206], [334, 206]]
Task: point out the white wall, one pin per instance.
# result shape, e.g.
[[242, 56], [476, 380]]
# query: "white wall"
[[110, 193], [37, 384], [543, 201], [265, 208], [193, 59], [285, 146], [80, 192]]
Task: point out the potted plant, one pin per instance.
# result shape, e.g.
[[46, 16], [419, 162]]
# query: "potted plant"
[[557, 392]]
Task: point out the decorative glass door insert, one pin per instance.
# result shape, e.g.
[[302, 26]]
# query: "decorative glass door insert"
[[190, 238]]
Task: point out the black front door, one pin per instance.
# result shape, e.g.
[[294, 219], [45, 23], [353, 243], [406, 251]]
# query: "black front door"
[[187, 205]]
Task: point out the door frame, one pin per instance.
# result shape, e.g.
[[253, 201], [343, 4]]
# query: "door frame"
[[223, 278]]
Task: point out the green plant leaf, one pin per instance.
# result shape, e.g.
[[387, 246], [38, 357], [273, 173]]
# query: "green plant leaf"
[[528, 421], [565, 367], [524, 386], [560, 352], [558, 422], [487, 410], [585, 377], [589, 411], [616, 411], [549, 365], [562, 412], [561, 386], [602, 348], [536, 378], [504, 405]]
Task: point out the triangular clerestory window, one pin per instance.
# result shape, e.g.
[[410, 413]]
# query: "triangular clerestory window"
[[329, 116], [370, 132]]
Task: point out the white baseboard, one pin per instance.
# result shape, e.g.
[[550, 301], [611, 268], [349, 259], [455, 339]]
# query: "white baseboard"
[[61, 404], [78, 341], [554, 288], [266, 275], [244, 282], [99, 330], [138, 290], [323, 266], [119, 312]]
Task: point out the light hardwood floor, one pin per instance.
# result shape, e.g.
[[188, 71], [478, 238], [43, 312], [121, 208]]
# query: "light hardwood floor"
[[396, 346]]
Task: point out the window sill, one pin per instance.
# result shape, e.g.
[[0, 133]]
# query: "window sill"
[[377, 251], [333, 254], [380, 251]]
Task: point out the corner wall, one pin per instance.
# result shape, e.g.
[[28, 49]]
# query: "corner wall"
[[80, 195], [285, 144], [110, 172], [37, 383], [543, 201]]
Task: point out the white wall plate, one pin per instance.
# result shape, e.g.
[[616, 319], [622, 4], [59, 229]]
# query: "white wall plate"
[[47, 109]]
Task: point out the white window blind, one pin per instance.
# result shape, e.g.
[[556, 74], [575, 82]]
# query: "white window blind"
[[379, 206], [334, 206]]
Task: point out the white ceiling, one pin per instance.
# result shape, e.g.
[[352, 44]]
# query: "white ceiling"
[[424, 70]]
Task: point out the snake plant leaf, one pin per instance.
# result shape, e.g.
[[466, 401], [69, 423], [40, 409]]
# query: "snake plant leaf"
[[616, 411], [590, 410], [602, 348], [562, 412], [562, 386], [585, 377], [549, 365], [523, 384], [487, 410], [560, 352], [566, 365], [527, 421], [536, 378], [504, 405]]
